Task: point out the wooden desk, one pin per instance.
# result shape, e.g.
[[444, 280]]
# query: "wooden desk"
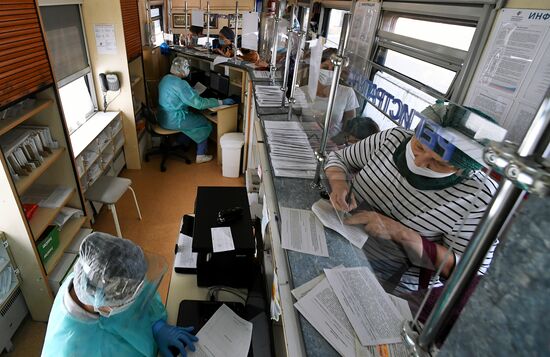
[[225, 118]]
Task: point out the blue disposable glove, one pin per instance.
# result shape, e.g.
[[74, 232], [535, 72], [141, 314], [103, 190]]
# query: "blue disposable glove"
[[228, 101], [168, 336]]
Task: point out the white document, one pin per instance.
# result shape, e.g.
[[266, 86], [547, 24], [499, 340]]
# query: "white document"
[[402, 306], [321, 308], [387, 350], [219, 60], [224, 335], [325, 212], [250, 31], [275, 306], [197, 18], [368, 307], [306, 287], [302, 232], [185, 258], [105, 39], [65, 214], [222, 240], [199, 88], [265, 216]]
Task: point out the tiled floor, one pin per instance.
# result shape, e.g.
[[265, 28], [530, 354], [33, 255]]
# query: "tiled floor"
[[163, 197]]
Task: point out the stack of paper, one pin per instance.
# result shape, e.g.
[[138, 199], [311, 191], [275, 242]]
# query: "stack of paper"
[[46, 195], [290, 152], [270, 96], [25, 148], [65, 215], [353, 313], [302, 232]]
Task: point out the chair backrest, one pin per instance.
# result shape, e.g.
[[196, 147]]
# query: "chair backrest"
[[150, 119]]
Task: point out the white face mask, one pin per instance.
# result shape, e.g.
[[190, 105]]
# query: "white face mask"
[[422, 171], [114, 310], [325, 77]]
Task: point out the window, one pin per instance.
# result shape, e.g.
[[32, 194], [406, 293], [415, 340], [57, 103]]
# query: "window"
[[69, 55], [157, 25], [334, 27]]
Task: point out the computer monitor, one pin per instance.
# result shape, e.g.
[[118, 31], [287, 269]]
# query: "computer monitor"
[[219, 83], [201, 41]]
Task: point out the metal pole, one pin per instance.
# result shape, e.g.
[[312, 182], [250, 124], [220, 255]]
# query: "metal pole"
[[273, 64], [292, 100], [535, 142], [170, 18], [289, 30], [185, 27], [208, 25], [236, 30], [338, 60]]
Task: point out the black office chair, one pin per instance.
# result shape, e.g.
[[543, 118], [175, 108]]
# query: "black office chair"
[[165, 149]]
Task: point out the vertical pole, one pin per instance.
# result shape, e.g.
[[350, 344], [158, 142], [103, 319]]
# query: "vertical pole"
[[169, 4], [185, 24], [236, 30], [534, 143], [208, 25], [273, 64], [289, 31], [338, 60]]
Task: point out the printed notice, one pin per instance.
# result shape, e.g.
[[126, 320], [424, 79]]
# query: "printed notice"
[[105, 39], [222, 240]]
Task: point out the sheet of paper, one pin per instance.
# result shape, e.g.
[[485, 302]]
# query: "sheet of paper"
[[321, 308], [265, 216], [224, 335], [185, 258], [302, 232], [105, 39], [219, 60], [303, 289], [386, 350], [199, 88], [325, 212], [222, 240], [197, 18], [402, 306], [65, 214], [250, 31], [275, 306], [56, 197], [368, 307]]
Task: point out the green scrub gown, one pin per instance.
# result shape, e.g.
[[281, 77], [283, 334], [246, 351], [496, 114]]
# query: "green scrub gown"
[[175, 98]]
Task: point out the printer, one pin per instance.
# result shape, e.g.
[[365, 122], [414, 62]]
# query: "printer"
[[236, 268]]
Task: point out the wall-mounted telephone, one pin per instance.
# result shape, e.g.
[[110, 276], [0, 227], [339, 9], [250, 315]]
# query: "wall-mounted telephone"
[[109, 82]]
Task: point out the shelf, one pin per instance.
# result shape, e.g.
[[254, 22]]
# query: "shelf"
[[43, 217], [136, 80], [8, 124], [236, 84], [66, 237], [26, 181]]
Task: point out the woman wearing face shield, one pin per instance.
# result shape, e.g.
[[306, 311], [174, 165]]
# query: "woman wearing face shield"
[[417, 205], [109, 305], [345, 102], [175, 98]]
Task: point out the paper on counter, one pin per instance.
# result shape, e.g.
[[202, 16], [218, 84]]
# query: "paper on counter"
[[222, 240], [402, 306], [199, 88], [185, 258], [265, 216], [224, 335], [197, 18], [275, 306], [303, 289], [325, 212], [302, 232], [321, 308], [219, 60], [386, 350], [368, 307]]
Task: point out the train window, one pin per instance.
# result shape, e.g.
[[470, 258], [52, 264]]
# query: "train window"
[[447, 34], [424, 72], [71, 65]]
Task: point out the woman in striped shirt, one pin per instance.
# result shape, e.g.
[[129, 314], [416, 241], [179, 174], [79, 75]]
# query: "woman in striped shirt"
[[419, 205]]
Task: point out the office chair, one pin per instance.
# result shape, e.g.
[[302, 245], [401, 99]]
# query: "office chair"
[[165, 149]]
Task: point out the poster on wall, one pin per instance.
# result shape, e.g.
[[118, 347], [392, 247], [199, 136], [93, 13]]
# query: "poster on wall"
[[105, 39], [514, 71], [363, 29]]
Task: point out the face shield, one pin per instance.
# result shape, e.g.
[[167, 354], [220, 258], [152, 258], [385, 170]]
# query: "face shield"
[[113, 274], [180, 67]]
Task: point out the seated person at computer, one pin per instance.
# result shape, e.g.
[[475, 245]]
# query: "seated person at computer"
[[345, 102], [226, 38], [195, 32], [175, 98]]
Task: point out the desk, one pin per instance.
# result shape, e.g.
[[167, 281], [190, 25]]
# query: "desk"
[[225, 119]]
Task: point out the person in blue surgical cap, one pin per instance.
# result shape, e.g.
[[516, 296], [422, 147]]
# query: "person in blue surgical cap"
[[109, 305], [175, 98]]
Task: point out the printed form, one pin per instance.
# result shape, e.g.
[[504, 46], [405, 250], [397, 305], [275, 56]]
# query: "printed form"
[[368, 307], [302, 232], [224, 335]]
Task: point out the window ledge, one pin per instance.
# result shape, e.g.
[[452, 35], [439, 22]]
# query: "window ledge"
[[83, 136]]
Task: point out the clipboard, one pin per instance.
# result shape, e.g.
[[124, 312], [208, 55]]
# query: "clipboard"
[[186, 228]]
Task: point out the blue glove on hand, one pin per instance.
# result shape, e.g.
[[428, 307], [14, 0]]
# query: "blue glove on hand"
[[228, 101], [167, 336]]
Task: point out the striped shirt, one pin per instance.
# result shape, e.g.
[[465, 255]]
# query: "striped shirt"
[[445, 215]]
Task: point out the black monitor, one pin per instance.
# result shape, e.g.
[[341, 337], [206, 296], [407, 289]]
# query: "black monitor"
[[219, 83]]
